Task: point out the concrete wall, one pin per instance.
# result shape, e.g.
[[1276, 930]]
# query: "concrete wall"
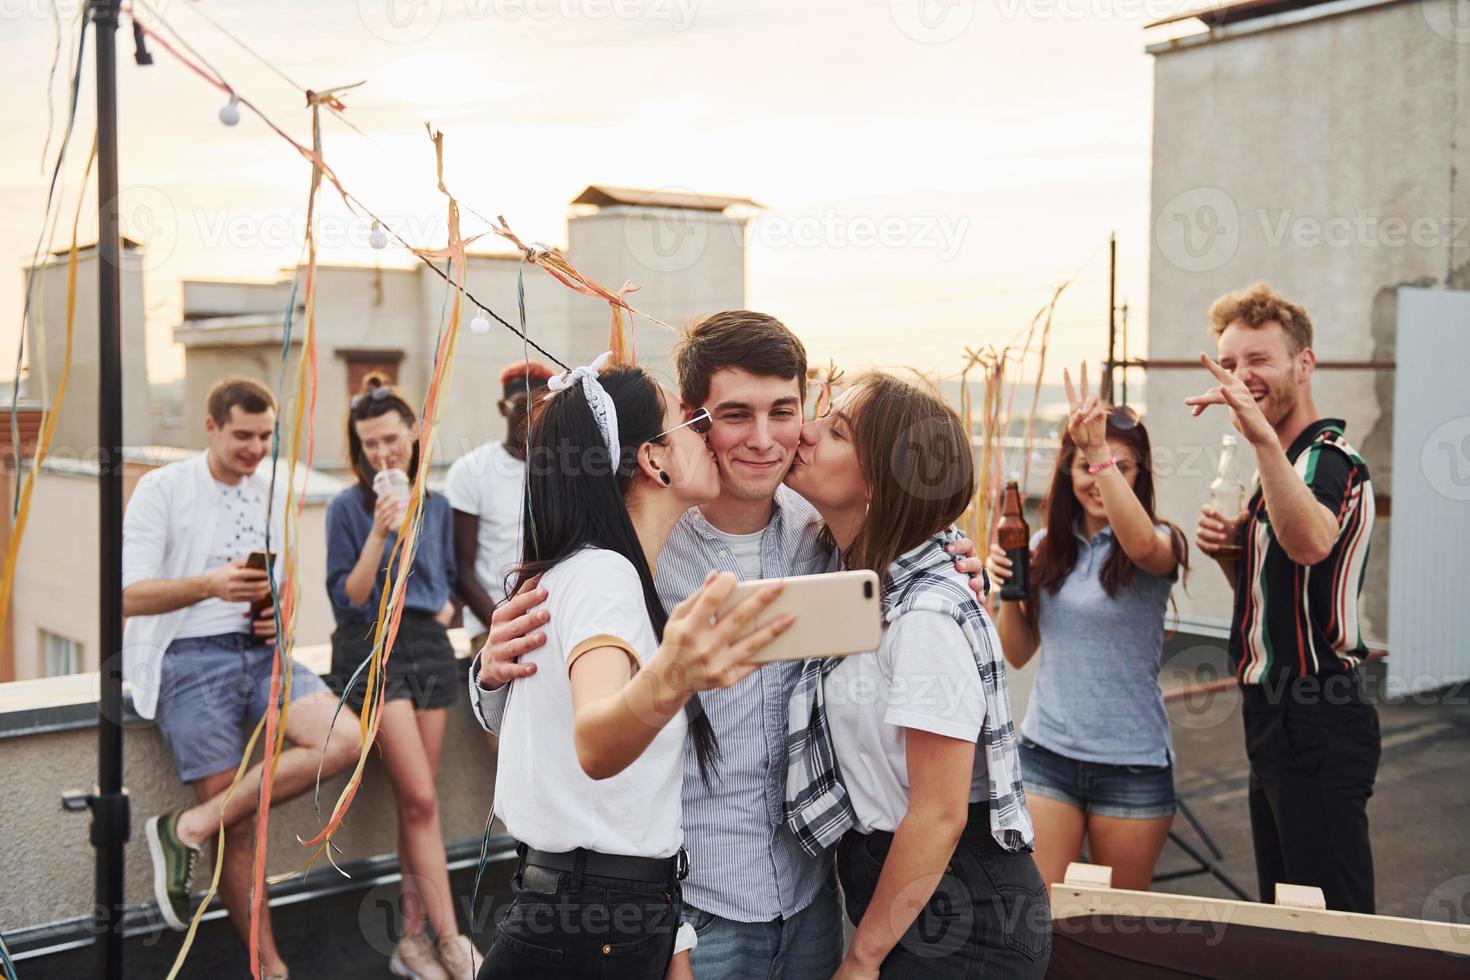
[[686, 264], [46, 863], [207, 365], [76, 425], [1321, 157], [56, 571], [470, 415]]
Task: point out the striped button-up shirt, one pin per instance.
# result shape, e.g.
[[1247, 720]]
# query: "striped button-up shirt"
[[745, 863], [1296, 620]]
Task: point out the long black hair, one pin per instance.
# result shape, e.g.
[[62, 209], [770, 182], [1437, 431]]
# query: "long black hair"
[[575, 498]]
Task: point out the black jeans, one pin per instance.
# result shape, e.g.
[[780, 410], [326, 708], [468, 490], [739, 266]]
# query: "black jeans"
[[565, 924], [989, 916], [1313, 749]]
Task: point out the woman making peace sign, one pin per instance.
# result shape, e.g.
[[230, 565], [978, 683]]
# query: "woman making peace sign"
[[1095, 748]]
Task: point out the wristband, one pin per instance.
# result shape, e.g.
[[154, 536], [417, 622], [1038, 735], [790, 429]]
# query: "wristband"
[[1100, 467]]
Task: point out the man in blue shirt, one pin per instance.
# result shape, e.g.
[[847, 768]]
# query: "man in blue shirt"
[[759, 904]]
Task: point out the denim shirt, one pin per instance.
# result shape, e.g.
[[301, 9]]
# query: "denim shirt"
[[744, 863], [431, 576]]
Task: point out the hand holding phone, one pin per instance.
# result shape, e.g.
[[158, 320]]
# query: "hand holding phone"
[[261, 560], [837, 614], [238, 582]]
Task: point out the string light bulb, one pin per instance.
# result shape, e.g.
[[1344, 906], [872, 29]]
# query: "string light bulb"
[[378, 238], [479, 324], [229, 114]]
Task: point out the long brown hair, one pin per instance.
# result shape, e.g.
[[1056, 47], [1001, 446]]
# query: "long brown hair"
[[1056, 555], [368, 404], [916, 460]]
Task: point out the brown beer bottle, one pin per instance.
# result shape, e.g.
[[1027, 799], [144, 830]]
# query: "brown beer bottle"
[[1015, 538]]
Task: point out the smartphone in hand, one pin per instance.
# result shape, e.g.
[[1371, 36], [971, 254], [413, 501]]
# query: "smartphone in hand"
[[837, 614]]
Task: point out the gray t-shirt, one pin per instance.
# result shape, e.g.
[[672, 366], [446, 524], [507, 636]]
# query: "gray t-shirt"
[[1096, 696]]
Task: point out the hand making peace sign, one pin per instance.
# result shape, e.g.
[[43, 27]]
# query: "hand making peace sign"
[[1231, 392], [1087, 421]]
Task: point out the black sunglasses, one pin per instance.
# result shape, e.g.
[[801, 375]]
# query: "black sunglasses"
[[1122, 417], [373, 394], [701, 423]]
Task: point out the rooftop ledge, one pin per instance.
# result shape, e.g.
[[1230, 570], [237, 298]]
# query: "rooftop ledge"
[[53, 704]]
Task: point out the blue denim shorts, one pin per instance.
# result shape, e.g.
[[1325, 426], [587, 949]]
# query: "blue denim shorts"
[[212, 688], [1131, 792]]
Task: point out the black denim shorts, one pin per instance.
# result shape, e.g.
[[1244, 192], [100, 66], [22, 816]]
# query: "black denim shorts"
[[421, 667], [561, 925], [988, 917]]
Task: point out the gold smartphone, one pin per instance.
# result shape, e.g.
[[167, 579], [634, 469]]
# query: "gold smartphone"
[[837, 614]]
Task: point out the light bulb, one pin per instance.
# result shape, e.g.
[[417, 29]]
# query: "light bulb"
[[229, 114], [479, 324], [378, 238]]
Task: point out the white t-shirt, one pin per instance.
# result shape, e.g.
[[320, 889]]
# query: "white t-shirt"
[[491, 484], [923, 677], [745, 549], [238, 530], [542, 794]]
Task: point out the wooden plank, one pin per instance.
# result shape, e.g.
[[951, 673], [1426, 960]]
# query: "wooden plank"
[[1077, 900], [1099, 875], [1300, 896]]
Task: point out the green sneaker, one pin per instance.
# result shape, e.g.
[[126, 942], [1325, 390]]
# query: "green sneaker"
[[173, 868]]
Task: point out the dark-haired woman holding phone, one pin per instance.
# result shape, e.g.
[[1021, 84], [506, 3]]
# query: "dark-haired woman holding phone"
[[421, 681], [908, 754], [1095, 745], [591, 758]]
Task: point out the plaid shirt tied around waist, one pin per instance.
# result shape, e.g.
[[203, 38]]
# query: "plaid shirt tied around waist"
[[818, 809]]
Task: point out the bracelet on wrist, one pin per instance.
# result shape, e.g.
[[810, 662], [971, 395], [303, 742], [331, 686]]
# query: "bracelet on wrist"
[[1108, 463]]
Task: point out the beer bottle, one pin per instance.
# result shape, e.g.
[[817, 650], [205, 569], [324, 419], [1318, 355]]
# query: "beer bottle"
[[1015, 538], [1227, 495]]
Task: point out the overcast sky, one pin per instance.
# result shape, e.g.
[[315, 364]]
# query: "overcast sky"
[[942, 163]]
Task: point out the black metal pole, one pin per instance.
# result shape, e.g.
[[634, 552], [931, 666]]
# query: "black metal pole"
[[1107, 380], [110, 816]]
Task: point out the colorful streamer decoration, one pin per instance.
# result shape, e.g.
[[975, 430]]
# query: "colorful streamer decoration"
[[560, 268], [995, 408], [826, 385]]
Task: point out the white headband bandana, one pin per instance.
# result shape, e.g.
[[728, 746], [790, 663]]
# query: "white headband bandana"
[[598, 400]]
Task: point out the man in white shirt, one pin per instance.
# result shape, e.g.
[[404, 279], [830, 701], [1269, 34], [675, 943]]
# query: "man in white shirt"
[[487, 489], [199, 649]]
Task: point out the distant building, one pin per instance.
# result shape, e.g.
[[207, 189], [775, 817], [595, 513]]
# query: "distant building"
[[685, 252], [76, 424], [1320, 146]]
